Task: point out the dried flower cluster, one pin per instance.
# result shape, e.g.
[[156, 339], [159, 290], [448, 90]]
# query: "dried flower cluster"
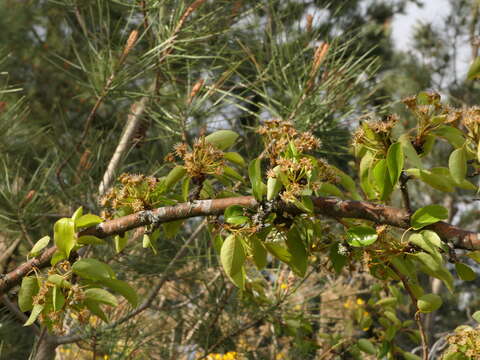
[[471, 121], [375, 135], [278, 134], [136, 193], [466, 341], [203, 159]]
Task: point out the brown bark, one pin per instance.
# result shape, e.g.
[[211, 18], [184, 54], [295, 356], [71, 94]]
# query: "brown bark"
[[327, 206]]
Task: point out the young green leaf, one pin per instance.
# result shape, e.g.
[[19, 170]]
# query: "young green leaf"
[[234, 215], [36, 311], [382, 179], [364, 174], [465, 272], [39, 246], [474, 69], [255, 175], [366, 346], [338, 260], [120, 242], [428, 215], [232, 255], [359, 236], [299, 260], [457, 163], [410, 151], [57, 257], [28, 290], [88, 220], [429, 302], [93, 269], [222, 139], [59, 281], [90, 240], [395, 161], [234, 158], [64, 235], [476, 316], [259, 253], [123, 289], [78, 213], [174, 176], [95, 309], [100, 296], [274, 185]]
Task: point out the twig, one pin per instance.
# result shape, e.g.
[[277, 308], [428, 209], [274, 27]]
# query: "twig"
[[418, 319]]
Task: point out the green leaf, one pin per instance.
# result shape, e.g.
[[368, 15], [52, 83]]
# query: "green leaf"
[[148, 242], [90, 240], [359, 236], [382, 179], [235, 158], [234, 215], [222, 139], [57, 257], [366, 346], [92, 269], [64, 235], [438, 178], [465, 272], [330, 190], [453, 135], [77, 214], [58, 300], [304, 204], [217, 243], [395, 160], [429, 302], [95, 309], [28, 290], [255, 175], [279, 251], [123, 289], [410, 151], [476, 316], [274, 185], [338, 260], [435, 268], [100, 296], [475, 255], [88, 220], [474, 69], [410, 356], [36, 311], [457, 163], [364, 174], [299, 260], [59, 281], [428, 215], [174, 176], [232, 174], [425, 244], [39, 246], [232, 256], [120, 242], [259, 253]]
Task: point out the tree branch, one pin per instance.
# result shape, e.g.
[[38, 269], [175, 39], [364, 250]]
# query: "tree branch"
[[327, 206]]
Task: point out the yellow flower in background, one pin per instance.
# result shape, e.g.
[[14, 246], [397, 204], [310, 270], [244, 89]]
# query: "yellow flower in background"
[[284, 286], [360, 301]]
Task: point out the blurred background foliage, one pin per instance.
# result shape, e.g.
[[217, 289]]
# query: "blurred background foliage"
[[69, 79]]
